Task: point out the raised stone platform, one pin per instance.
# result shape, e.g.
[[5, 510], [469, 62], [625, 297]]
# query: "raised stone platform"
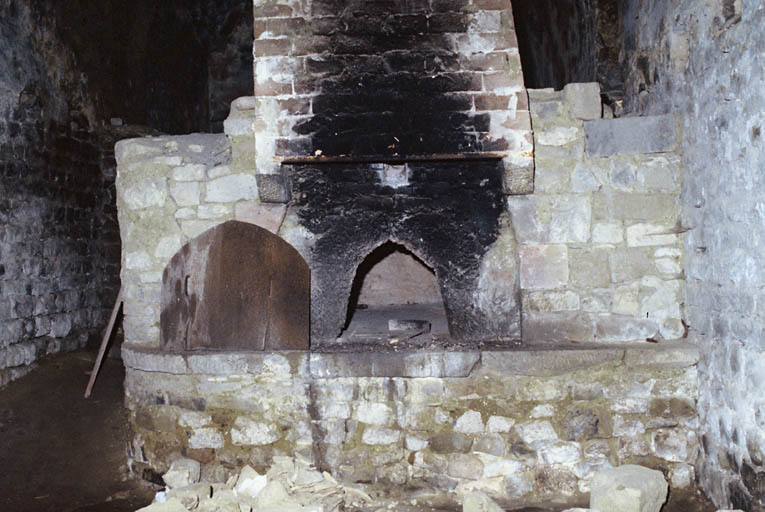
[[522, 425]]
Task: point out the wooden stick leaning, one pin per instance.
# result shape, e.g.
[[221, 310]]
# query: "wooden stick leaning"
[[104, 343]]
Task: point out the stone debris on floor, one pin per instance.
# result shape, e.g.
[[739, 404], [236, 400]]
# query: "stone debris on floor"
[[628, 488], [291, 484]]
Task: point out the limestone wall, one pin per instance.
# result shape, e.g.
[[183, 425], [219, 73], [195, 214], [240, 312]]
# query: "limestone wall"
[[526, 427], [600, 244]]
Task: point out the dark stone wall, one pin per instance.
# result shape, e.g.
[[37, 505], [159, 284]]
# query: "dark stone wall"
[[54, 289], [66, 68], [568, 41], [174, 65], [702, 62]]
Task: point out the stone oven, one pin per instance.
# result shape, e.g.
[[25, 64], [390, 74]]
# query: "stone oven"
[[394, 139]]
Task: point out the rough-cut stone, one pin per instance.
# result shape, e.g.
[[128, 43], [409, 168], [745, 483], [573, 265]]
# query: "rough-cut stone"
[[628, 488], [249, 432], [629, 135], [231, 188], [250, 482], [272, 188], [380, 436], [477, 501], [170, 505], [533, 432], [469, 423], [182, 473], [451, 443], [583, 100], [544, 266], [462, 465], [499, 424]]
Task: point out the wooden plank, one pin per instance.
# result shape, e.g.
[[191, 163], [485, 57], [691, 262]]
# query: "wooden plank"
[[235, 287], [104, 343]]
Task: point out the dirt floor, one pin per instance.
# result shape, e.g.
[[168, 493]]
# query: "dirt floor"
[[62, 453]]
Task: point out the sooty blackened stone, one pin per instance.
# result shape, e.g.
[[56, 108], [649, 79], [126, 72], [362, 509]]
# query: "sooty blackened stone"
[[447, 213], [390, 82]]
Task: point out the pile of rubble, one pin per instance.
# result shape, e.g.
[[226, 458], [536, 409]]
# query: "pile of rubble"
[[290, 485]]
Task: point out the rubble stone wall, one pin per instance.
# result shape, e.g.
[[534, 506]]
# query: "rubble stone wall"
[[523, 426]]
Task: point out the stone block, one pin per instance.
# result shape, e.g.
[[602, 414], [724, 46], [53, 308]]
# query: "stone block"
[[621, 328], [630, 135], [185, 193], [629, 264], [551, 301], [206, 438], [273, 188], [477, 501], [382, 364], [492, 444], [232, 188], [536, 432], [253, 433], [560, 452], [463, 465], [628, 488], [499, 424], [607, 233], [469, 423], [589, 267], [583, 100], [564, 326], [547, 363], [450, 442], [518, 180], [189, 172], [642, 235], [544, 266], [182, 473], [373, 413], [551, 219], [380, 436], [150, 192], [557, 135], [268, 216]]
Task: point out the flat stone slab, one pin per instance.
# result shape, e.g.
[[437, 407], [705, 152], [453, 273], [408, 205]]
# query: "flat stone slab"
[[537, 362], [630, 135], [547, 363], [393, 364]]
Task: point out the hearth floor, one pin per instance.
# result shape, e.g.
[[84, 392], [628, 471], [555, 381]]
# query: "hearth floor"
[[63, 453], [369, 324]]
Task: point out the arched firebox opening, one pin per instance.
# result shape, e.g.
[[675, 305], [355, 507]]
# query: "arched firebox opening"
[[396, 297]]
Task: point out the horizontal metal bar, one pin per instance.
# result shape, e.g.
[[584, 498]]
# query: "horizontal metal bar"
[[386, 159]]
